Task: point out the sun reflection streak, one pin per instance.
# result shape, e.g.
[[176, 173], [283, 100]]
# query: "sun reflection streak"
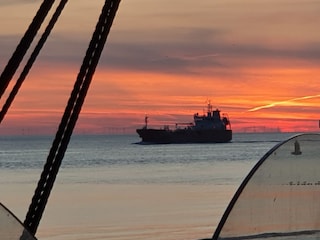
[[286, 102]]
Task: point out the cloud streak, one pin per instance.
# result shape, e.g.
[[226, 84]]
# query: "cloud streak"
[[284, 103]]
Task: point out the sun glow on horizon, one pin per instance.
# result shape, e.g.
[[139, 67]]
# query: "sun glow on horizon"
[[169, 66]]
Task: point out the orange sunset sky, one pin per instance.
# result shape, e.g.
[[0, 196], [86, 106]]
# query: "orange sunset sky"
[[257, 60]]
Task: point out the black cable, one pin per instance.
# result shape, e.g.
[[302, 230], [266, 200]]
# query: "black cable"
[[70, 116], [24, 45], [32, 59]]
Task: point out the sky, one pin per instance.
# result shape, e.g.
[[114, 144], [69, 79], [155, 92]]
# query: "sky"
[[255, 60]]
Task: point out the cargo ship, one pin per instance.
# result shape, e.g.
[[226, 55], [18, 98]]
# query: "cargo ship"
[[207, 128]]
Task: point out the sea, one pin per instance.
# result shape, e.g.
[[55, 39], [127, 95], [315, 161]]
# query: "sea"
[[112, 187]]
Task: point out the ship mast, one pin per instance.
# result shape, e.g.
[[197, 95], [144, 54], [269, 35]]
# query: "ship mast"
[[146, 122], [209, 109]]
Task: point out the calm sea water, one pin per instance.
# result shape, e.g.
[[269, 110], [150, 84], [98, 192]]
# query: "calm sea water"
[[109, 187]]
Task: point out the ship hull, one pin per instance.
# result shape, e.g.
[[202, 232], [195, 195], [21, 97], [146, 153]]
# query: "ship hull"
[[163, 136]]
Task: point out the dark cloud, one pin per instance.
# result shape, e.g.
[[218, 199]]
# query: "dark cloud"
[[179, 49], [187, 56], [189, 52]]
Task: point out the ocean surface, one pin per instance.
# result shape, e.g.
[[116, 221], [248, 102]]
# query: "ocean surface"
[[110, 187]]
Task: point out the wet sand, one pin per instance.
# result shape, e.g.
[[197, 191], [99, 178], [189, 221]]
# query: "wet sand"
[[121, 212]]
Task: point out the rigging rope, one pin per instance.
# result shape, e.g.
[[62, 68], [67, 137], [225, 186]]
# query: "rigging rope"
[[70, 116], [32, 58], [24, 45]]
